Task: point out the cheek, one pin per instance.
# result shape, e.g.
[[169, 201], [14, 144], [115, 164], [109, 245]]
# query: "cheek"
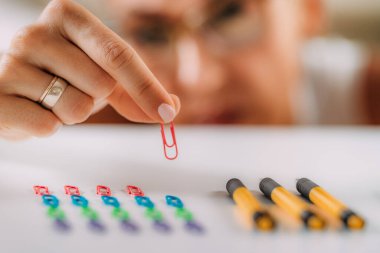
[[270, 69], [263, 81], [284, 38], [257, 70]]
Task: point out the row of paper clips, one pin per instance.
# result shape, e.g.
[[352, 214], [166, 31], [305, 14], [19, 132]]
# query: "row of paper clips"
[[117, 211]]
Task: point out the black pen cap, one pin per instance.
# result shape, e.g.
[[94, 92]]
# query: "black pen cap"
[[267, 185], [233, 184], [304, 186]]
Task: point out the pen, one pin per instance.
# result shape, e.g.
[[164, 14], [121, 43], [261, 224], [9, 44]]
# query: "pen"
[[249, 204], [291, 203], [325, 201]]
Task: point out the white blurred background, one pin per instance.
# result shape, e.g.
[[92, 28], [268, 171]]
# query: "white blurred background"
[[354, 19]]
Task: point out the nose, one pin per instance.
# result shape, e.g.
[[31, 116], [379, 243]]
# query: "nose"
[[197, 68]]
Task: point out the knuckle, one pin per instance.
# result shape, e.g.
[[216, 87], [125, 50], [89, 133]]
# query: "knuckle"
[[58, 7], [46, 128], [81, 110], [59, 11], [144, 86], [116, 54], [28, 38], [103, 84], [9, 68], [5, 65], [6, 71], [5, 78]]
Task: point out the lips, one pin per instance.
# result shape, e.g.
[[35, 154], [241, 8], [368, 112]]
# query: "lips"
[[220, 117]]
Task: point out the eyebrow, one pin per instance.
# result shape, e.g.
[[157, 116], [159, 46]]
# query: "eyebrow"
[[215, 6], [151, 16], [210, 6]]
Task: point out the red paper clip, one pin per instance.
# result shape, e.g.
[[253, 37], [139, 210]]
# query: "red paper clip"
[[41, 190], [134, 190], [103, 190], [71, 190], [166, 145]]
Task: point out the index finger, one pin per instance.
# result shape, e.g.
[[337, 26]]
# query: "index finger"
[[117, 58]]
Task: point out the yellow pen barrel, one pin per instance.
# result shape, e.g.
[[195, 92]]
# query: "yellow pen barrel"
[[330, 204], [246, 202], [325, 201], [290, 203], [249, 204]]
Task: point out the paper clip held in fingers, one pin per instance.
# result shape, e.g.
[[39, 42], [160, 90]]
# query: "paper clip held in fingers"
[[166, 145]]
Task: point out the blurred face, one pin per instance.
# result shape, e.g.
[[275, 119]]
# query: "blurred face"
[[229, 61]]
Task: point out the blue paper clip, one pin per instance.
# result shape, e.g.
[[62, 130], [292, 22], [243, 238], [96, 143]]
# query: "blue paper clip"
[[144, 201], [79, 200], [110, 201], [174, 201], [50, 200]]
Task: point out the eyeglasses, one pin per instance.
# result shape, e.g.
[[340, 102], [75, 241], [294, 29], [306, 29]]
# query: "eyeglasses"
[[225, 24]]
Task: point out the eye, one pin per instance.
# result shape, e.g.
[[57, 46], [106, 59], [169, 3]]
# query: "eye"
[[227, 12], [152, 35]]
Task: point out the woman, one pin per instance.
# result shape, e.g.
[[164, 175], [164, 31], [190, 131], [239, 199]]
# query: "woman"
[[229, 61]]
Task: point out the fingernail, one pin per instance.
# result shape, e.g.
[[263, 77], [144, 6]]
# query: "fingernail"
[[166, 112]]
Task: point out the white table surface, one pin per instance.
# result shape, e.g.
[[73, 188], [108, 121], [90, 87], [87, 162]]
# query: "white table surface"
[[345, 161]]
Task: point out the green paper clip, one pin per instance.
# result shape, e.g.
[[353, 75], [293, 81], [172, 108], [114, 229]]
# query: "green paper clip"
[[90, 213], [153, 214], [56, 213], [120, 214], [183, 213]]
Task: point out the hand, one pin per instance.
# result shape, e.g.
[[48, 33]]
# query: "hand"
[[69, 42]]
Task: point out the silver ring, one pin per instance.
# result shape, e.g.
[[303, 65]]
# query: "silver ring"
[[53, 93]]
